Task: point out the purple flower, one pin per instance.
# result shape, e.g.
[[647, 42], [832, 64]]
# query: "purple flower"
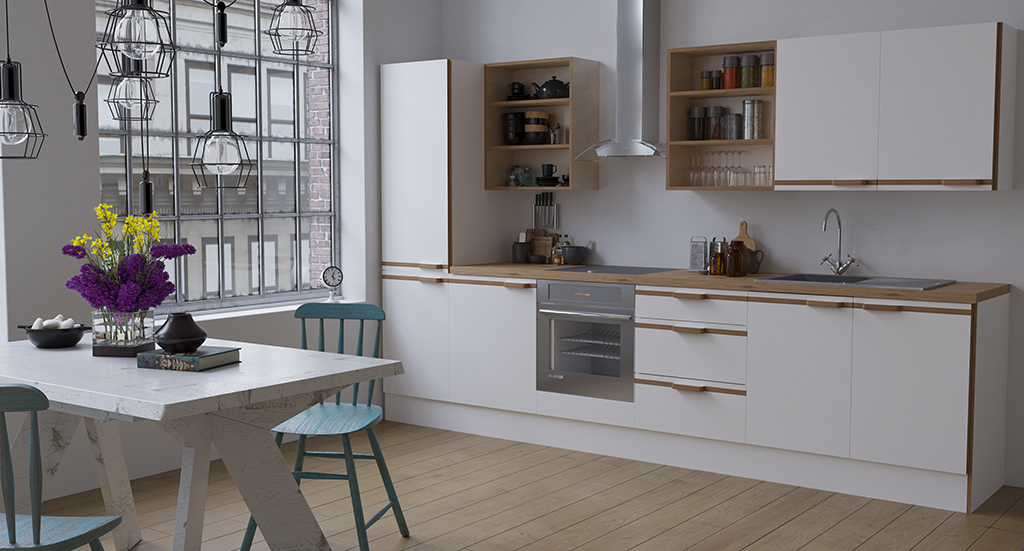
[[95, 287], [126, 296], [130, 268], [171, 250], [152, 297], [76, 251]]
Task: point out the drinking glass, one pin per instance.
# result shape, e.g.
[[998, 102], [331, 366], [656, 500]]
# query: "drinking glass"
[[721, 173], [739, 175], [694, 169], [708, 172]]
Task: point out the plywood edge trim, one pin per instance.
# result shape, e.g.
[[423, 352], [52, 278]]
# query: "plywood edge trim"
[[995, 125], [987, 182], [972, 372], [421, 265], [691, 330], [707, 388], [705, 296], [824, 182], [414, 278], [919, 309]]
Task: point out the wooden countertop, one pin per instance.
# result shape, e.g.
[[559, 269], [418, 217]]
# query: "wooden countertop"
[[961, 292]]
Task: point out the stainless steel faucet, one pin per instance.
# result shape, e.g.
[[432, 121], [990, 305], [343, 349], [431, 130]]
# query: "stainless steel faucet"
[[837, 266]]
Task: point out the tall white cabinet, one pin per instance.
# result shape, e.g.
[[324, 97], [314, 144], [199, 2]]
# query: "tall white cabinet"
[[909, 109]]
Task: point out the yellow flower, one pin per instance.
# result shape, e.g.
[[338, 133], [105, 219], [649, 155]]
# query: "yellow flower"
[[107, 219], [101, 248], [81, 240]]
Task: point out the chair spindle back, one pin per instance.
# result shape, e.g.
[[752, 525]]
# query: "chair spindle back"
[[26, 399], [341, 312]]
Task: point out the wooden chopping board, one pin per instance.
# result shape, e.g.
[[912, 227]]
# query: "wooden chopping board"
[[750, 243]]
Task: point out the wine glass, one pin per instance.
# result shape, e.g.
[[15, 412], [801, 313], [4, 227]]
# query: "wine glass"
[[708, 172], [694, 169], [739, 176]]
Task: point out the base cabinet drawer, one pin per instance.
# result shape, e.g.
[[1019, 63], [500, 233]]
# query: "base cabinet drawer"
[[696, 305], [705, 414], [691, 351]]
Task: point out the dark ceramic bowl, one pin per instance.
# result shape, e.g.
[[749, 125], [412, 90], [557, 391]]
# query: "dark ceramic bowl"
[[55, 338], [574, 255], [538, 259], [537, 138]]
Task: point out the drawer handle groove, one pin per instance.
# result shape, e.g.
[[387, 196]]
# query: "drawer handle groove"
[[689, 388], [883, 307], [690, 296], [825, 304], [516, 285], [430, 279], [693, 330]]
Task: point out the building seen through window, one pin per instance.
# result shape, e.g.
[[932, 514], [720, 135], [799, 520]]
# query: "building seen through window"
[[272, 238]]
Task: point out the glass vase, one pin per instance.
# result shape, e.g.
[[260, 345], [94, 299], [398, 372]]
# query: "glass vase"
[[122, 333]]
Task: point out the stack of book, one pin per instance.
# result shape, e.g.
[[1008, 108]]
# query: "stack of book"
[[207, 357]]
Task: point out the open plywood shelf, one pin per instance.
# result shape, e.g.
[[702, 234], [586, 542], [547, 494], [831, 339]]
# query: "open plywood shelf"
[[684, 67], [578, 114]]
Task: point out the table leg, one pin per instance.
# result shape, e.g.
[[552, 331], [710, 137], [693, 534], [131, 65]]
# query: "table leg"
[[114, 482], [56, 430], [264, 479], [194, 435]]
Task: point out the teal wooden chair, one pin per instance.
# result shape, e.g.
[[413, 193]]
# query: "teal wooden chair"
[[337, 418], [35, 531]]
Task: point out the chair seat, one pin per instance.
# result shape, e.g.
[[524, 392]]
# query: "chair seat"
[[332, 419], [58, 533]]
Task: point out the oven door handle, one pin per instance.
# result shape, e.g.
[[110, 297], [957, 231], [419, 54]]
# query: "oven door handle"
[[586, 314]]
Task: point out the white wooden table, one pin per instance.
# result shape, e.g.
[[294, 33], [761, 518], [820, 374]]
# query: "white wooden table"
[[232, 407]]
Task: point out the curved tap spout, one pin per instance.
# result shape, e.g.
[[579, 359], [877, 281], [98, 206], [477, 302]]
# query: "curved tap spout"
[[837, 266], [839, 223]]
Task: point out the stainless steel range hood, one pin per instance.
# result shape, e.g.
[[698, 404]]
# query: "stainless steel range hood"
[[637, 67]]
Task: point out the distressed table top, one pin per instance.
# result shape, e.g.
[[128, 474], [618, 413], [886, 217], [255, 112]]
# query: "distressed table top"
[[76, 382]]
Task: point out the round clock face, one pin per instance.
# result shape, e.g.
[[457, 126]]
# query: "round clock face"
[[332, 276]]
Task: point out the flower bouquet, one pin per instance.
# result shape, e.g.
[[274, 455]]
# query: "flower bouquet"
[[123, 279]]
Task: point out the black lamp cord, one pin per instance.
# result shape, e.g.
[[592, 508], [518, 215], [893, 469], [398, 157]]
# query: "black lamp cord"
[[79, 96]]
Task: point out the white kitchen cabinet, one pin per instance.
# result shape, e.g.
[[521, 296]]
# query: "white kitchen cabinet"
[[911, 384], [798, 372], [909, 109], [690, 408], [416, 332], [826, 125], [493, 343]]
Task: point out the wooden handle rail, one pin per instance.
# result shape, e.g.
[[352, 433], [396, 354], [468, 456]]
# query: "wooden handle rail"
[[431, 266], [690, 296], [883, 307], [694, 330], [689, 388], [825, 304], [517, 285], [430, 279]]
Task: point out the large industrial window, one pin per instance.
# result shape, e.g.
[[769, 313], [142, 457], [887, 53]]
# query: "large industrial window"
[[282, 105]]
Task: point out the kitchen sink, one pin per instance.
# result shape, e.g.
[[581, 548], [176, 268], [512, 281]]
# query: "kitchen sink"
[[907, 283]]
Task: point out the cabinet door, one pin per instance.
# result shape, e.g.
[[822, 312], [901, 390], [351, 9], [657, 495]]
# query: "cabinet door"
[[937, 110], [826, 119], [798, 373], [911, 378], [416, 332], [493, 346], [414, 127]]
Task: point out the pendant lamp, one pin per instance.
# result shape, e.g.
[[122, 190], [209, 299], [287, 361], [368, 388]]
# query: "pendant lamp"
[[292, 29], [221, 158], [135, 31], [131, 98], [19, 121]]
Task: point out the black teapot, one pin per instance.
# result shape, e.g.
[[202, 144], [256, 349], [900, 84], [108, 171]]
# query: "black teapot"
[[553, 88]]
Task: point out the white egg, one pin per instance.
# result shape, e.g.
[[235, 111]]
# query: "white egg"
[[38, 324]]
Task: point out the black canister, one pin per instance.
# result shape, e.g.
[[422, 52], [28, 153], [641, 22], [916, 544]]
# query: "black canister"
[[698, 127], [512, 128]]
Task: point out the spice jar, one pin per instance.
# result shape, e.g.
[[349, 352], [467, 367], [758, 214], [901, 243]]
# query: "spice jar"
[[735, 261], [716, 263], [705, 80], [748, 71], [731, 71], [716, 80], [733, 126], [699, 123], [715, 122], [768, 69]]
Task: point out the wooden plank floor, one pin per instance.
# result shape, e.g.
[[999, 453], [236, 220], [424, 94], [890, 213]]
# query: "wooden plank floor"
[[472, 493]]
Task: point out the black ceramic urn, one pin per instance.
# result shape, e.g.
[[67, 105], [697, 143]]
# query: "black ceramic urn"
[[180, 334]]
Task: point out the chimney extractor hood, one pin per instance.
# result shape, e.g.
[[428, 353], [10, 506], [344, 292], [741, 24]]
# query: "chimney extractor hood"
[[637, 67]]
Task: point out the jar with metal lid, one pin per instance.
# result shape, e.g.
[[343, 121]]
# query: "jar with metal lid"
[[733, 126], [752, 119], [748, 71], [736, 258], [715, 122], [699, 126], [768, 69], [716, 80], [705, 80], [731, 71]]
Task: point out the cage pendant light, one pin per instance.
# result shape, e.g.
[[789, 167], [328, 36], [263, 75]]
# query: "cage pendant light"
[[135, 31], [131, 98], [221, 158], [292, 29], [21, 133]]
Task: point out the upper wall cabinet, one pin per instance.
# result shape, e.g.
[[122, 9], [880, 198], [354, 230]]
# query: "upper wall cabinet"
[[912, 109], [576, 116]]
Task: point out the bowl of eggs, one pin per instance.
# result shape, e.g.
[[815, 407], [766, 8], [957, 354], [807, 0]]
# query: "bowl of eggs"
[[56, 332]]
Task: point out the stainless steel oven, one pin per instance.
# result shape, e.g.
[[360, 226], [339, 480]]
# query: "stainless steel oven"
[[585, 339]]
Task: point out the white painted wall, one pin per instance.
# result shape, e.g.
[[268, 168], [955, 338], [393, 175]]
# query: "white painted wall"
[[964, 236]]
